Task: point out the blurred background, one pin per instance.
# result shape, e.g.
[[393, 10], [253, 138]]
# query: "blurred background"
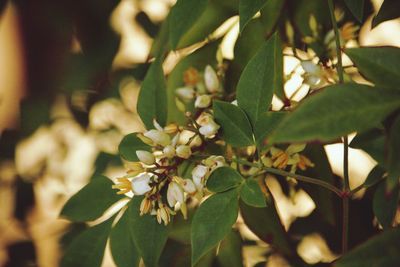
[[69, 79]]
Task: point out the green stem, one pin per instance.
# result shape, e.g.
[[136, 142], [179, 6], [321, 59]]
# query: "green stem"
[[298, 177], [346, 185]]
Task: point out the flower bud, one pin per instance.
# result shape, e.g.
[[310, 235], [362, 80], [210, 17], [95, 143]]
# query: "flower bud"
[[175, 194], [185, 93], [145, 157], [158, 137], [202, 101], [145, 206], [311, 68], [209, 130], [183, 151], [200, 171], [295, 148], [171, 128], [140, 184], [145, 139], [211, 79], [134, 168], [169, 151]]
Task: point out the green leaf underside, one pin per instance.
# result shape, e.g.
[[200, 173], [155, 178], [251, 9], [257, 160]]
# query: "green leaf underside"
[[382, 250], [252, 195], [393, 158], [266, 124], [336, 111], [385, 205], [123, 249], [152, 100], [87, 249], [236, 128], [259, 79], [223, 178], [356, 7], [212, 222], [247, 10], [378, 64], [91, 201], [129, 145], [148, 235], [388, 11], [183, 16]]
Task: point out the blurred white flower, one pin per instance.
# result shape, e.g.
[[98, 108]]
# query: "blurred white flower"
[[140, 184]]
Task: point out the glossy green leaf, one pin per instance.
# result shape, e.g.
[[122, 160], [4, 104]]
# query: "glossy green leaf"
[[270, 15], [212, 222], [224, 178], [265, 125], [129, 145], [373, 142], [235, 126], [152, 100], [184, 15], [251, 194], [382, 250], [337, 110], [389, 10], [123, 249], [247, 10], [148, 235], [393, 157], [91, 201], [378, 64], [87, 249], [385, 204], [259, 78], [230, 251], [374, 176], [356, 7]]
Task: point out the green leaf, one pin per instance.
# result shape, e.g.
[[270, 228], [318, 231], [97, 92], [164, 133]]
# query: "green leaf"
[[373, 142], [393, 157], [247, 10], [261, 75], [388, 11], [152, 100], [378, 64], [374, 176], [382, 250], [265, 125], [91, 201], [270, 15], [337, 110], [148, 235], [184, 15], [230, 251], [212, 222], [123, 249], [385, 204], [87, 249], [251, 194], [129, 145], [236, 128], [224, 178], [357, 8], [265, 223]]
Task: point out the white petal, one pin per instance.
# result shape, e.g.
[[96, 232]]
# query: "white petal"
[[189, 186], [211, 79], [199, 171], [202, 101], [145, 157], [140, 184], [158, 137], [185, 93], [183, 151]]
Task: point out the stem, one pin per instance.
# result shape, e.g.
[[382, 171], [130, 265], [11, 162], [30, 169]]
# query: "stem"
[[346, 184], [298, 177]]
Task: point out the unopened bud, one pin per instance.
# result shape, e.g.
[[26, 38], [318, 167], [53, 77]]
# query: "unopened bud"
[[211, 79], [145, 157], [183, 151]]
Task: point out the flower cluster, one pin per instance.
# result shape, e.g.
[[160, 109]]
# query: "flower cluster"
[[200, 88]]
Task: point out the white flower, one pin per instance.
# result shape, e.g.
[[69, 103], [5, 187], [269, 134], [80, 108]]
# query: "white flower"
[[211, 79], [169, 151], [175, 194], [140, 184], [188, 186], [198, 174], [145, 157], [158, 137], [202, 101], [186, 93], [311, 68], [209, 130], [214, 162], [183, 151]]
